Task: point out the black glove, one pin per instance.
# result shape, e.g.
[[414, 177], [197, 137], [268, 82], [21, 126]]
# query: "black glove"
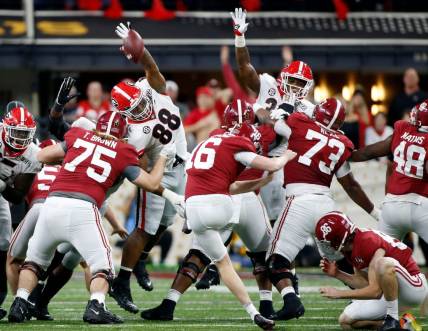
[[63, 94], [289, 109]]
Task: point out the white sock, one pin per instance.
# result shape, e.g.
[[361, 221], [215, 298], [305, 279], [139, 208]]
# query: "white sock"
[[286, 290], [251, 310], [173, 295], [99, 296], [293, 271], [392, 308], [265, 295], [126, 268], [22, 293]]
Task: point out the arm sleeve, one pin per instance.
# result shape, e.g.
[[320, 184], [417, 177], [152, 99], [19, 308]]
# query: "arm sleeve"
[[245, 157], [58, 127], [131, 172], [343, 170], [64, 146]]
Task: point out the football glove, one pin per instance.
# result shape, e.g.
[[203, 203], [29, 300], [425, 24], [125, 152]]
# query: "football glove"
[[133, 44], [6, 172], [239, 24], [63, 95], [376, 214], [176, 200]]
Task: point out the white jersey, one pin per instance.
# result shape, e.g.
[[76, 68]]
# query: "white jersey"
[[270, 98], [164, 126], [21, 164]]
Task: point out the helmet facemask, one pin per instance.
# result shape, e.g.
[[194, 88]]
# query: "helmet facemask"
[[295, 84], [142, 108], [19, 137]]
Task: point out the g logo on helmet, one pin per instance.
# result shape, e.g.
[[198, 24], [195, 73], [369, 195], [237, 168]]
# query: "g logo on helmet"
[[325, 229]]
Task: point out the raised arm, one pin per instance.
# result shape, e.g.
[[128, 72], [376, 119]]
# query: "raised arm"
[[247, 72], [57, 126], [134, 49], [373, 151]]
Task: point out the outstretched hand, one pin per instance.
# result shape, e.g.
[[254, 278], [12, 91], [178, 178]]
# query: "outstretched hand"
[[63, 95], [132, 43], [239, 24]]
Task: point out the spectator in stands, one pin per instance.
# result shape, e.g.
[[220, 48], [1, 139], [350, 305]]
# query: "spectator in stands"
[[411, 96], [96, 104], [202, 119], [230, 79], [222, 96], [172, 91], [379, 131]]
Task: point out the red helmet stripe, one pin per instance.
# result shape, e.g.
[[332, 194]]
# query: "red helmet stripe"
[[238, 101], [336, 113], [120, 91]]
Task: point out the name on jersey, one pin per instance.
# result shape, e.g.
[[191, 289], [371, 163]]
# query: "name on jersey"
[[327, 132], [108, 142], [413, 139]]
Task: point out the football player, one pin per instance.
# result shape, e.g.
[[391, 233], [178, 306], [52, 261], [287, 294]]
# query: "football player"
[[249, 221], [405, 206], [93, 161], [18, 166], [385, 274], [213, 170], [323, 152], [154, 122]]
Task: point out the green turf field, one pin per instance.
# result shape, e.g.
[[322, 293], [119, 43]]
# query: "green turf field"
[[197, 310]]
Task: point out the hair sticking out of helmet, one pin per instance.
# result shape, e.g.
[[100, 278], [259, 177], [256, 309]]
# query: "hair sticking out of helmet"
[[334, 229], [237, 113], [330, 114], [19, 126], [297, 79], [419, 116], [112, 123]]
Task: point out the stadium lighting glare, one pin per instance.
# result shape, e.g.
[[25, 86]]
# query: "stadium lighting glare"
[[377, 109], [378, 93], [348, 91], [321, 93]]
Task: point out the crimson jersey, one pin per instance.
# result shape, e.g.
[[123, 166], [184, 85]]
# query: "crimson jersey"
[[410, 149], [92, 165], [320, 152], [41, 184], [367, 242], [267, 139], [212, 166]]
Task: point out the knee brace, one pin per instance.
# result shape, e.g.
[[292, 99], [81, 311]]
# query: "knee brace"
[[258, 259], [34, 267], [191, 269], [106, 274], [279, 268]]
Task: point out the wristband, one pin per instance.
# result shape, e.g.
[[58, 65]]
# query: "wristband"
[[239, 41]]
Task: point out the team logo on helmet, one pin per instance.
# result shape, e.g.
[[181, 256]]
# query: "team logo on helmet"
[[325, 229]]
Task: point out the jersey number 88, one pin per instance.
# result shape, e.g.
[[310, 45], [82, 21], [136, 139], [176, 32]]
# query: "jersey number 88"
[[168, 122]]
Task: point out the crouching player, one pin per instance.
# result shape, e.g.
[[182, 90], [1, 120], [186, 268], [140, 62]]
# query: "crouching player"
[[212, 172], [93, 162], [385, 273]]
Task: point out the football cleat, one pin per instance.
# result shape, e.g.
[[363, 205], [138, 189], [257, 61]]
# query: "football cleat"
[[42, 313], [163, 312], [293, 308], [97, 313], [143, 277], [390, 324], [263, 323], [266, 308], [19, 312], [209, 278], [121, 292], [408, 322]]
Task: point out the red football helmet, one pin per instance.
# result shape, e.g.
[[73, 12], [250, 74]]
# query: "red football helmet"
[[333, 229], [130, 100], [419, 115], [112, 123], [19, 128], [330, 113], [251, 132], [297, 79], [47, 142], [238, 112]]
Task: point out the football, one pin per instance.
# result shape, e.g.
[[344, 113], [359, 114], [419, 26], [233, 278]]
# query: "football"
[[133, 46]]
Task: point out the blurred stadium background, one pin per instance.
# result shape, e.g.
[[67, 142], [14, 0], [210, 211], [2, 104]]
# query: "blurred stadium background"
[[371, 53]]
